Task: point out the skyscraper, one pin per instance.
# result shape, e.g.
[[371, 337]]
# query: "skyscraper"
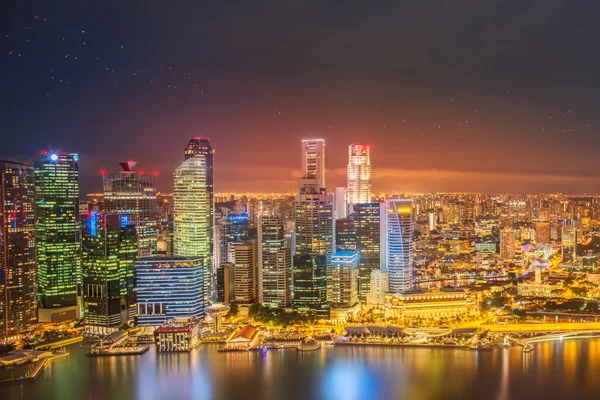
[[57, 235], [274, 263], [396, 243], [18, 306], [225, 283], [380, 284], [195, 186], [314, 218], [345, 234], [133, 194], [344, 278], [310, 283], [192, 220], [110, 248], [340, 204], [359, 174], [508, 237], [168, 288], [313, 160], [368, 234], [245, 273]]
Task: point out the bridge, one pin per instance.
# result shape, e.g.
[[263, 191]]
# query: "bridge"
[[564, 335], [544, 328]]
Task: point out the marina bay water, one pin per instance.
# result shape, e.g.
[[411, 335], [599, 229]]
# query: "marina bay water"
[[554, 370]]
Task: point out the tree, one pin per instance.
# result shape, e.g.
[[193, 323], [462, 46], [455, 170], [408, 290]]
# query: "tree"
[[233, 311]]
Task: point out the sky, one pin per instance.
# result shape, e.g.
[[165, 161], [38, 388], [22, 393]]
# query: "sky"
[[454, 95]]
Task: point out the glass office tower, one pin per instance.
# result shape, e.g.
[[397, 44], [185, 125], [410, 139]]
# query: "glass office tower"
[[57, 234]]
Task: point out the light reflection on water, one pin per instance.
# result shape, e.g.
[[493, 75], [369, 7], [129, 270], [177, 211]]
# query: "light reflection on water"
[[567, 369]]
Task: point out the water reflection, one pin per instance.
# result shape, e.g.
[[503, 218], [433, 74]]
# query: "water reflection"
[[567, 369]]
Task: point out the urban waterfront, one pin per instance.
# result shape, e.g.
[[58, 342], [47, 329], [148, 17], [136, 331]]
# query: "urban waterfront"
[[555, 370]]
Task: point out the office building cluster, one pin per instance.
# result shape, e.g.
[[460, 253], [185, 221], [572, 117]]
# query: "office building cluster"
[[133, 255]]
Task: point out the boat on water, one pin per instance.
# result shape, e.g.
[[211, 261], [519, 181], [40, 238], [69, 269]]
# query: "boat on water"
[[308, 345], [528, 348]]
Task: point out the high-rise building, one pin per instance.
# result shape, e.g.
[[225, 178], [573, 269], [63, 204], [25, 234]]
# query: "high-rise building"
[[508, 240], [313, 213], [344, 278], [542, 232], [368, 237], [192, 219], [168, 288], [359, 174], [345, 234], [110, 248], [274, 263], [313, 160], [18, 307], [133, 193], [340, 204], [380, 284], [225, 283], [57, 236], [245, 273], [396, 243], [310, 283], [200, 148]]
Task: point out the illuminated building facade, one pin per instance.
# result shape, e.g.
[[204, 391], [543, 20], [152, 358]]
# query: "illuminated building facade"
[[313, 160], [368, 237], [359, 174], [168, 288], [192, 219], [274, 263], [396, 243], [177, 335], [344, 278], [380, 283], [310, 283], [110, 248], [508, 240], [345, 234], [542, 232], [133, 194], [57, 235], [434, 304], [225, 283], [245, 272], [18, 307], [340, 204]]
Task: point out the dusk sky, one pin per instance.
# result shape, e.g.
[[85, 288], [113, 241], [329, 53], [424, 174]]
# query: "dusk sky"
[[463, 95]]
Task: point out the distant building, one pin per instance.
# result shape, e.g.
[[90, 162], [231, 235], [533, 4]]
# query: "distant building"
[[536, 288], [133, 193], [168, 288], [57, 236], [396, 243], [110, 248], [368, 241], [542, 232], [508, 240], [313, 160], [18, 307], [359, 174]]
